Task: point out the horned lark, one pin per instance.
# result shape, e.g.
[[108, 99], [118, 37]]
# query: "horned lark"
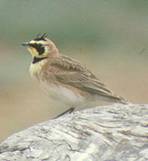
[[64, 78]]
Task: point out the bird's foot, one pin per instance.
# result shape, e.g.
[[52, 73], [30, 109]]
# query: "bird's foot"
[[70, 110]]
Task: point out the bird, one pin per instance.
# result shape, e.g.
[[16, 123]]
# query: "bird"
[[65, 79]]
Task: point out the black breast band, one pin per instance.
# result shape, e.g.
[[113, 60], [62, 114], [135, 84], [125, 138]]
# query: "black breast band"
[[36, 59]]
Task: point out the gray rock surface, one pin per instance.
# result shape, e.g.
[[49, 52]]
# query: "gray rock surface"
[[107, 133]]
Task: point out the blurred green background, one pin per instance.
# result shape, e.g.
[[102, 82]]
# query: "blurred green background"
[[109, 36]]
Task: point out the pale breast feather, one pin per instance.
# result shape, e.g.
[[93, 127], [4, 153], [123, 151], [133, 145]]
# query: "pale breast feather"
[[36, 68]]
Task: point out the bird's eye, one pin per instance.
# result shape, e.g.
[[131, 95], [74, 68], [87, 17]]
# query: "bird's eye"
[[39, 47]]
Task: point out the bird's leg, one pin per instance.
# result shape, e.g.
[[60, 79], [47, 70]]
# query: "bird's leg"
[[70, 110]]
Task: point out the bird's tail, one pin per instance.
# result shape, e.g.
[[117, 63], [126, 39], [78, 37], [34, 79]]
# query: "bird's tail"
[[117, 99]]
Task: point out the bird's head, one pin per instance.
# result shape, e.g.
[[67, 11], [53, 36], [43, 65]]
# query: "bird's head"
[[41, 47]]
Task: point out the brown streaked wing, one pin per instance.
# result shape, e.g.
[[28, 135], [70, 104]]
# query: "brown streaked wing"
[[73, 74], [68, 64]]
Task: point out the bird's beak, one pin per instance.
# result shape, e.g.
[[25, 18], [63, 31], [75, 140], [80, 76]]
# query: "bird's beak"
[[25, 44]]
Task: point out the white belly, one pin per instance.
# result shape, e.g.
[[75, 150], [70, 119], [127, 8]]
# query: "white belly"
[[63, 94]]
